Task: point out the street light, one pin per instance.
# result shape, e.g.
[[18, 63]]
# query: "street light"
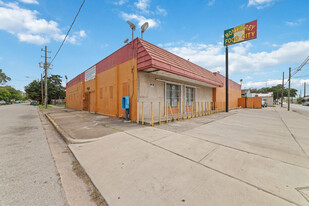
[[132, 26], [240, 82], [66, 80], [144, 27]]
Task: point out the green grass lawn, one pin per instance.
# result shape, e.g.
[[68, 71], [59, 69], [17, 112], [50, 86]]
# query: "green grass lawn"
[[43, 106], [60, 105]]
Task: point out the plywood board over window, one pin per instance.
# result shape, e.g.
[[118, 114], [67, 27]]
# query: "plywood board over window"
[[111, 92], [101, 93], [125, 89]]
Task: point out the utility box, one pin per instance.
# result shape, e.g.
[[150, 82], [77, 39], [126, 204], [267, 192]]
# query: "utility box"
[[125, 102]]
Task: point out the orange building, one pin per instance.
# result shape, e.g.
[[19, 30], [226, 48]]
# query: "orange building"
[[149, 75], [234, 92]]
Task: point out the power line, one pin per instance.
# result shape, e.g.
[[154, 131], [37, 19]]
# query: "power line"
[[270, 8], [297, 69], [301, 66], [68, 32]]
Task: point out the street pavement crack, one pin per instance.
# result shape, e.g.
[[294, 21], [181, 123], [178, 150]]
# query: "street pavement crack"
[[302, 149]]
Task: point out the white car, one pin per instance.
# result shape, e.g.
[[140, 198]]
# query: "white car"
[[264, 103], [305, 101], [2, 102]]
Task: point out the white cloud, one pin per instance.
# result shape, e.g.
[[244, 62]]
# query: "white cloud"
[[161, 11], [29, 1], [142, 12], [142, 4], [295, 83], [140, 19], [211, 2], [260, 4], [212, 56], [27, 27], [298, 22], [120, 2]]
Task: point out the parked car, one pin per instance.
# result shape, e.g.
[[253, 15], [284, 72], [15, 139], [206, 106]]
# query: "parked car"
[[34, 103], [17, 102], [305, 101], [264, 103], [2, 102]]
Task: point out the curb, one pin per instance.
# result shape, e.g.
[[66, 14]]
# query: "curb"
[[63, 134], [66, 137]]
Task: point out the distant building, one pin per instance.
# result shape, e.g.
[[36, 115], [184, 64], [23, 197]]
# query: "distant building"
[[246, 93], [268, 97]]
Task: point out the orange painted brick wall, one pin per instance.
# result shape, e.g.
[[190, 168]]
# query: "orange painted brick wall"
[[252, 102], [106, 91], [74, 96], [234, 92]]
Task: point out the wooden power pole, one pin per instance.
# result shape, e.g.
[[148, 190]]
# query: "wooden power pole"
[[304, 89], [282, 90], [42, 89], [289, 102]]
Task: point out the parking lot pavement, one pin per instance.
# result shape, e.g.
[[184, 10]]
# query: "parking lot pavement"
[[82, 125], [254, 157]]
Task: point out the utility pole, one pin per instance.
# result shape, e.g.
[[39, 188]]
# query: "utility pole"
[[282, 90], [304, 89], [227, 79], [289, 102], [42, 89], [45, 68]]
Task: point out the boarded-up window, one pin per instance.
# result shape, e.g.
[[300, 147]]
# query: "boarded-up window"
[[101, 93], [125, 89], [111, 92]]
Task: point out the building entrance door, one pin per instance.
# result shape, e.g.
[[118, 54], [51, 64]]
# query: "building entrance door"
[[92, 102], [86, 101]]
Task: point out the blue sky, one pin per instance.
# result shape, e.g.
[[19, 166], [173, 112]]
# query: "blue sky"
[[191, 29]]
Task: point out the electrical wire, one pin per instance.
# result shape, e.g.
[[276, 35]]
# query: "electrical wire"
[[270, 8], [68, 32]]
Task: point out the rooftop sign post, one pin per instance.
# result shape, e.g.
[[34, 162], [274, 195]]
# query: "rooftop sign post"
[[236, 35]]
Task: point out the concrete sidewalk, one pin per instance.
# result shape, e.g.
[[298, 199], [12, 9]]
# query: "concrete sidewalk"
[[254, 157]]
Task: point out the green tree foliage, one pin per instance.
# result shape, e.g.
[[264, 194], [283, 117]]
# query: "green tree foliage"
[[9, 93], [3, 78], [55, 89], [276, 90], [33, 90], [4, 94]]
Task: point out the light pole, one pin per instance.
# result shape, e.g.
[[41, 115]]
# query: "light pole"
[[144, 27], [132, 26]]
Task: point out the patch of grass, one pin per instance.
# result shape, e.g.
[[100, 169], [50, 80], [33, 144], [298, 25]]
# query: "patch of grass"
[[95, 195], [43, 106], [60, 105]]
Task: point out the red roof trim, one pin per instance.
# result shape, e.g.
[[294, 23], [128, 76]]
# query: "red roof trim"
[[156, 57]]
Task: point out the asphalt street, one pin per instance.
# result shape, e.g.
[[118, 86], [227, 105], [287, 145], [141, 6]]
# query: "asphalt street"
[[304, 110], [28, 175]]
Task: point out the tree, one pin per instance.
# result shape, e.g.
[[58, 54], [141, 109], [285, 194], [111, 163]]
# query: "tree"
[[33, 90], [4, 94], [277, 90], [9, 93], [14, 94], [3, 78], [55, 89]]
